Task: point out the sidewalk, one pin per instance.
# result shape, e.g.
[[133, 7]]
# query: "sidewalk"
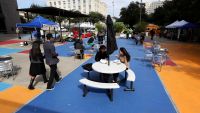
[[183, 81]]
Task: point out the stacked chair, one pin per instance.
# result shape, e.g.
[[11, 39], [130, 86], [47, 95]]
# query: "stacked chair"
[[156, 55]]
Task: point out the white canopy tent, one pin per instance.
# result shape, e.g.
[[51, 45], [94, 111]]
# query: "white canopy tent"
[[177, 24], [172, 25], [181, 23], [84, 25]]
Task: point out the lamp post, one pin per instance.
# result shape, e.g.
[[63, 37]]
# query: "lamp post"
[[140, 11], [113, 8]]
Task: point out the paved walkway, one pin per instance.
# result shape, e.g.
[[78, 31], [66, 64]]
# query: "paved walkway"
[[13, 91], [149, 97], [183, 81]]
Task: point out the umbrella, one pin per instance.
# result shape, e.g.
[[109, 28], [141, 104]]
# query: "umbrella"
[[111, 40]]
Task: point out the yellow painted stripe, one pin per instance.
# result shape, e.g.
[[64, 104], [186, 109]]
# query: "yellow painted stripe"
[[15, 97]]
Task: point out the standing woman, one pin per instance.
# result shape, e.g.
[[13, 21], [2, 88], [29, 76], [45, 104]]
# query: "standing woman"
[[37, 66], [124, 57]]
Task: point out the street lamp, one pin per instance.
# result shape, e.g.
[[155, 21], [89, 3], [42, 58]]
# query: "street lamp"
[[113, 8], [140, 11]]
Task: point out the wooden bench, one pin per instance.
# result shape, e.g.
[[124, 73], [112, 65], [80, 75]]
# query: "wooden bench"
[[98, 85], [131, 79]]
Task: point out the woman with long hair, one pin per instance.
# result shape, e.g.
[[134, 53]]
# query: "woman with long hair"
[[124, 57], [37, 66]]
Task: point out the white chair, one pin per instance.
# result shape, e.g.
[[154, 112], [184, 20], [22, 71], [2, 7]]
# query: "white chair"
[[156, 49], [159, 60], [148, 55], [131, 78], [98, 85]]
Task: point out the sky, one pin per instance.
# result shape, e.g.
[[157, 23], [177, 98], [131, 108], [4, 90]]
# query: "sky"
[[118, 4]]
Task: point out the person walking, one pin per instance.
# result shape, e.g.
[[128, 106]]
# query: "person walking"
[[152, 33], [37, 66], [100, 36], [51, 59]]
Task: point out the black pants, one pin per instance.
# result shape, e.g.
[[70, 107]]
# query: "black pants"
[[136, 41], [152, 37], [53, 75], [100, 39]]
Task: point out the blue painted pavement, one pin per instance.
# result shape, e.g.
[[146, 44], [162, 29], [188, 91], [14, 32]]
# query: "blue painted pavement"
[[8, 51], [149, 95], [4, 86]]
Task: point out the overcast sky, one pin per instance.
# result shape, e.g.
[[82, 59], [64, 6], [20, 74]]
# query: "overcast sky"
[[118, 4]]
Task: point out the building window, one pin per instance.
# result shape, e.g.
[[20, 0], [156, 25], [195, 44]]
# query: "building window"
[[89, 7], [74, 4], [84, 11], [59, 3], [84, 4], [55, 3], [50, 3], [69, 6]]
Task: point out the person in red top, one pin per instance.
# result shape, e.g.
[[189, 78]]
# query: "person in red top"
[[75, 33]]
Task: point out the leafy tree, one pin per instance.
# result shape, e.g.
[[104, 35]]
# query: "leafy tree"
[[100, 27], [35, 6], [23, 20], [119, 27], [140, 27], [130, 15], [177, 10], [95, 17]]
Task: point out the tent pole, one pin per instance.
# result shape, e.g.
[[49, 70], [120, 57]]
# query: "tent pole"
[[44, 36], [69, 25], [28, 21], [55, 32], [108, 60], [79, 29], [60, 32]]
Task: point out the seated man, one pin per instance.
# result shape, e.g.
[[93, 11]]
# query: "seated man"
[[102, 54], [79, 45]]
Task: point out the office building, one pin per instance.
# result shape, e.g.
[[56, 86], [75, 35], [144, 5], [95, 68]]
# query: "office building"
[[9, 16], [84, 6]]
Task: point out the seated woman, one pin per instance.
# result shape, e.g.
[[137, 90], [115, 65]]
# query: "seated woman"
[[124, 57], [101, 54]]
